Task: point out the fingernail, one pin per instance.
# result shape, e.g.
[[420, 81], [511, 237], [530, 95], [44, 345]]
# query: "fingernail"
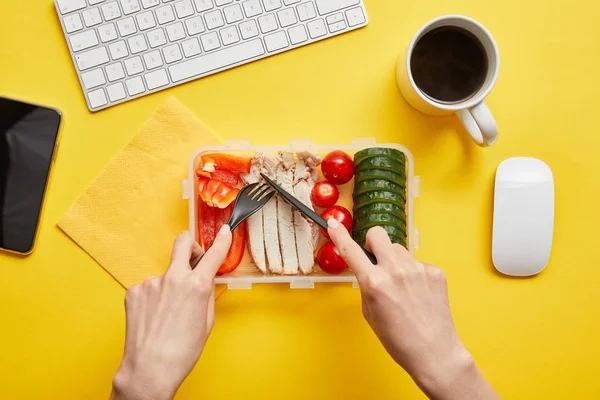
[[333, 223], [225, 229]]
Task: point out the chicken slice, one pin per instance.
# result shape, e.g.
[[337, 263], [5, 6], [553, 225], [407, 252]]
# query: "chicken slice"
[[303, 227], [285, 214], [311, 162], [256, 238], [269, 165]]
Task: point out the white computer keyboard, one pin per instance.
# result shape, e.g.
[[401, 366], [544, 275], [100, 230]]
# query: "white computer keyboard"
[[124, 49]]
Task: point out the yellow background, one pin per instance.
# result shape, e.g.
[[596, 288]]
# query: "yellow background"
[[62, 319]]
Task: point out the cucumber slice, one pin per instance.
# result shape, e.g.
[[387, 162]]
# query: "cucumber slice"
[[366, 174], [365, 221], [377, 184], [388, 208], [379, 151], [381, 162], [379, 197]]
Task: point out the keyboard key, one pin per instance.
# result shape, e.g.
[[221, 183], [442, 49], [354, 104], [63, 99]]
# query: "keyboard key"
[[92, 17], [219, 59], [150, 3], [327, 6], [233, 13], [116, 92], [220, 3], [297, 34], [156, 79], [289, 2], [118, 50], [276, 41], [267, 23], [332, 19], [214, 19], [184, 8], [111, 11], [153, 59], [195, 25], [191, 47], [130, 6], [338, 26], [286, 17], [83, 40], [306, 11], [137, 44], [172, 53], [229, 35], [94, 2], [175, 31], [97, 98], [210, 41], [73, 23], [271, 5], [108, 32], [135, 86], [146, 20], [355, 16], [165, 14], [203, 5], [67, 6], [252, 8], [126, 26], [93, 78], [316, 28], [114, 72], [134, 66], [156, 37], [248, 29]]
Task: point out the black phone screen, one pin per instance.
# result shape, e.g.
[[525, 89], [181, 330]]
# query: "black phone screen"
[[28, 135]]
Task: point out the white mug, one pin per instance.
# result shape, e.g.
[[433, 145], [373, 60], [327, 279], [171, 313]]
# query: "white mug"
[[474, 114]]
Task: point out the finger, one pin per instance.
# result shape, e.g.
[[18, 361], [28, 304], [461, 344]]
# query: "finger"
[[183, 248], [132, 314], [197, 254], [349, 249], [210, 311], [215, 256], [379, 243]]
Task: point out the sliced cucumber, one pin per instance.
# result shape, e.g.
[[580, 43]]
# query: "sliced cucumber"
[[366, 174], [380, 162], [378, 185], [379, 197], [361, 238], [379, 151], [365, 221], [389, 208]]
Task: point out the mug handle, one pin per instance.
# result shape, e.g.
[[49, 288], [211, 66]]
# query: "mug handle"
[[480, 124]]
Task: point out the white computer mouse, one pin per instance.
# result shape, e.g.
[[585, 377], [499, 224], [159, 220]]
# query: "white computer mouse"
[[523, 216]]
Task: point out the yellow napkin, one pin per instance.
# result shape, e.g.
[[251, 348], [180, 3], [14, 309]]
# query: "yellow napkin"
[[128, 218]]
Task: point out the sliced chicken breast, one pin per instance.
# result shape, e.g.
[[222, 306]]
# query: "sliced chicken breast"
[[256, 238], [310, 175], [269, 166], [285, 215], [303, 227]]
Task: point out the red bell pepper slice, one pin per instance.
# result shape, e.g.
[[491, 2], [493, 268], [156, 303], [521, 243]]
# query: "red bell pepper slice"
[[227, 162], [216, 193]]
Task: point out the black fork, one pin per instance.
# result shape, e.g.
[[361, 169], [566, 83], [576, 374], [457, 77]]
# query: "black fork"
[[249, 200]]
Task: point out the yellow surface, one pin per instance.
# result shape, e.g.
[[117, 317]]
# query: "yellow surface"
[[62, 315]]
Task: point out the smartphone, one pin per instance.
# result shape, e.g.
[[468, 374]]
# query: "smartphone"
[[28, 143]]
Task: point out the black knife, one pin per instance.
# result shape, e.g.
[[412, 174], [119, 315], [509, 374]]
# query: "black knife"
[[307, 211]]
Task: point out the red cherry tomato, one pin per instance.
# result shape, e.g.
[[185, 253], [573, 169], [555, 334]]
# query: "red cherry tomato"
[[325, 194], [330, 260], [342, 215], [338, 167]]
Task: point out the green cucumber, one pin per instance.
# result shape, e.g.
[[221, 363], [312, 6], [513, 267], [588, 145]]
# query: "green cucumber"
[[362, 155], [366, 174], [391, 230], [365, 221], [388, 208], [379, 197], [377, 185], [361, 237], [380, 162]]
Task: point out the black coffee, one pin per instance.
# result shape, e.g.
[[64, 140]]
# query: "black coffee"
[[449, 64]]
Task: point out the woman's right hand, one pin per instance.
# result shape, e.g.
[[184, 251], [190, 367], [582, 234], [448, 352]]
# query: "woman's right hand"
[[406, 304]]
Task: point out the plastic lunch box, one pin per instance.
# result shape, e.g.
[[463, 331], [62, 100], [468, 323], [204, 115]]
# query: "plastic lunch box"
[[247, 273]]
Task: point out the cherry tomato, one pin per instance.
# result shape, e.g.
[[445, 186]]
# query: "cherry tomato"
[[338, 167], [325, 194], [341, 214], [330, 260]]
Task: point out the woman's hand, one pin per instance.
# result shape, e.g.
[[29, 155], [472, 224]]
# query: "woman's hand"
[[169, 319], [406, 304]]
